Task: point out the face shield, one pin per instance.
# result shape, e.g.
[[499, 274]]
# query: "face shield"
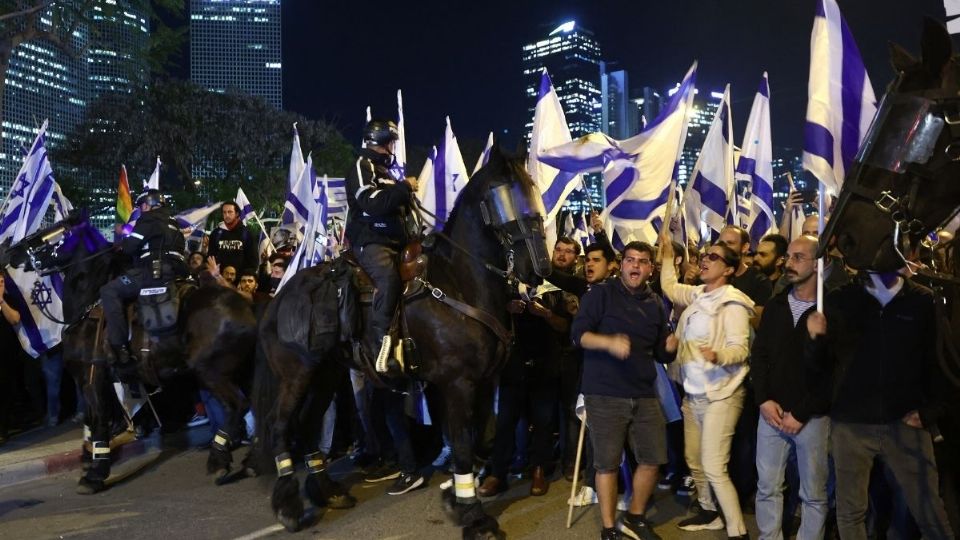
[[905, 131], [517, 211]]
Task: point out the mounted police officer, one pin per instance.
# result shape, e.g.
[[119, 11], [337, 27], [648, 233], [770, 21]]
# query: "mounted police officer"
[[378, 224], [156, 245]]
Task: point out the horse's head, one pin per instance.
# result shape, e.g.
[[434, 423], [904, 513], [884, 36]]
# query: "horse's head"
[[40, 251], [903, 183], [512, 208]]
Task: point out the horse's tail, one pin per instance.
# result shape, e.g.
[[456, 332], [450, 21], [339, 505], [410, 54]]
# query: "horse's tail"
[[266, 388]]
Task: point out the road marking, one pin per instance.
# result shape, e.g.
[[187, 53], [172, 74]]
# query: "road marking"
[[276, 527]]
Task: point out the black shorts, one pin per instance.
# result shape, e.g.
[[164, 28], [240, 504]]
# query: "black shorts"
[[614, 421]]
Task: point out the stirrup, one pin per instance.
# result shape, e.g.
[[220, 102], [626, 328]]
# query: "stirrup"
[[384, 355]]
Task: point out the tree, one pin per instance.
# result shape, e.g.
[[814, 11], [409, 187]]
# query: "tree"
[[209, 143], [21, 22]]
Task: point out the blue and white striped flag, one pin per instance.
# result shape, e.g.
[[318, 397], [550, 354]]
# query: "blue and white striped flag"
[[300, 200], [297, 163], [841, 103], [154, 181], [637, 172], [439, 193], [549, 131], [30, 195], [755, 166], [707, 198], [399, 167], [246, 208], [336, 194], [196, 217], [30, 294], [485, 155], [313, 249], [61, 205]]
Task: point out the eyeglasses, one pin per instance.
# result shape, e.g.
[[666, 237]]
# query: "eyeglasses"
[[714, 257]]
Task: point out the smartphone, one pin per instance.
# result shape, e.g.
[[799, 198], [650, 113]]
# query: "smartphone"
[[808, 196]]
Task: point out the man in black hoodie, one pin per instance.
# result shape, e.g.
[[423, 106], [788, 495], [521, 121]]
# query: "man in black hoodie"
[[156, 245], [232, 244], [877, 343], [793, 406], [377, 224]]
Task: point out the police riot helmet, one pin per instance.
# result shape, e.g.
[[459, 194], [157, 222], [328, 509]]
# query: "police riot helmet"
[[380, 132], [151, 197]]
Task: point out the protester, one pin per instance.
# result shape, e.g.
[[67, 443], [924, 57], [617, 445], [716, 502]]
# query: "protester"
[[231, 243], [714, 335]]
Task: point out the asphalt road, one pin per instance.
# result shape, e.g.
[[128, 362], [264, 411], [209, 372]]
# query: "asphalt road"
[[170, 498]]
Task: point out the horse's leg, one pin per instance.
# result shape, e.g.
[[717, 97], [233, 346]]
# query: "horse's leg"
[[294, 377], [232, 431], [321, 489], [97, 390], [460, 502]]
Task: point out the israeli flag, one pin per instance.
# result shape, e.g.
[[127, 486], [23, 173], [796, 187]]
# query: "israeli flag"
[[299, 201], [297, 163], [439, 193], [61, 205], [399, 167], [29, 197], [707, 198], [336, 195], [841, 103], [246, 208], [312, 249], [485, 155], [37, 299], [755, 166], [154, 181], [425, 188], [638, 171], [549, 130], [195, 217]]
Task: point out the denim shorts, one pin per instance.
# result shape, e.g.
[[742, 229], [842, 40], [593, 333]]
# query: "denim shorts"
[[614, 421]]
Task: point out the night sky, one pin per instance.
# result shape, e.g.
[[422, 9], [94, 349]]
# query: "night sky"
[[463, 58]]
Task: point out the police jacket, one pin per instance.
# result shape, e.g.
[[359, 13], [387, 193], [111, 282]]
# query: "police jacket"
[[378, 204], [156, 236], [235, 247]]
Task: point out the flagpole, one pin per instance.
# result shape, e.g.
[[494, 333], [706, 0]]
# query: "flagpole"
[[821, 208], [266, 233]]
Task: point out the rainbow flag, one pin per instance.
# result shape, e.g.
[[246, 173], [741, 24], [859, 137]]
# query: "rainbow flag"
[[124, 200]]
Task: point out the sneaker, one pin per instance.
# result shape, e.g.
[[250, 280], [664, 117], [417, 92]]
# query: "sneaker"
[[585, 497], [198, 420], [704, 520], [687, 486], [637, 527], [610, 534], [386, 471], [443, 457], [666, 482], [405, 483]]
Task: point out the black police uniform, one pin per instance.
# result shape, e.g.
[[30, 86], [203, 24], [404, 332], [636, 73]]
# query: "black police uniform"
[[156, 237], [376, 229]]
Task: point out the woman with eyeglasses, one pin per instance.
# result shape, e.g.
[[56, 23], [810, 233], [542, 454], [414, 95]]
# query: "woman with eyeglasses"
[[714, 334]]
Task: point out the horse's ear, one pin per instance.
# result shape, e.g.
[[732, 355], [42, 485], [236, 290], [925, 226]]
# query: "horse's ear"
[[496, 154], [936, 47], [900, 59]]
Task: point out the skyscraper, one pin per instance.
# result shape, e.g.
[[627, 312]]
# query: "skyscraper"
[[620, 116], [235, 46], [700, 119], [572, 57], [117, 57]]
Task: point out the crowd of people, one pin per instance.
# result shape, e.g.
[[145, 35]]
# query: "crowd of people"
[[706, 372]]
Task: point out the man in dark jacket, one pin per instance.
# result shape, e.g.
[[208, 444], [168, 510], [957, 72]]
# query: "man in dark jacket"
[[232, 244], [792, 404], [877, 344], [156, 245], [377, 226]]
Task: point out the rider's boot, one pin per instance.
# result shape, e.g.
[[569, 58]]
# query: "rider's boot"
[[125, 363]]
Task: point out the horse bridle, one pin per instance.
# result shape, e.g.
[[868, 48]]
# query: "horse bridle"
[[933, 112]]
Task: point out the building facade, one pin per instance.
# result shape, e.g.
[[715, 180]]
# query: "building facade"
[[235, 46]]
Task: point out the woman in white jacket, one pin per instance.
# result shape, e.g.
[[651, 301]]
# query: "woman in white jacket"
[[714, 333]]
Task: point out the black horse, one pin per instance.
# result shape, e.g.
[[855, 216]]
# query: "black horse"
[[215, 338], [458, 321], [903, 184]]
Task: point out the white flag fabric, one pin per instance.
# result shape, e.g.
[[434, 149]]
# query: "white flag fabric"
[[61, 205], [299, 201], [425, 189], [154, 181], [638, 171], [246, 208], [841, 102], [755, 166], [399, 167], [296, 161], [312, 250], [196, 217], [549, 130], [439, 192], [707, 198], [30, 294], [485, 155]]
